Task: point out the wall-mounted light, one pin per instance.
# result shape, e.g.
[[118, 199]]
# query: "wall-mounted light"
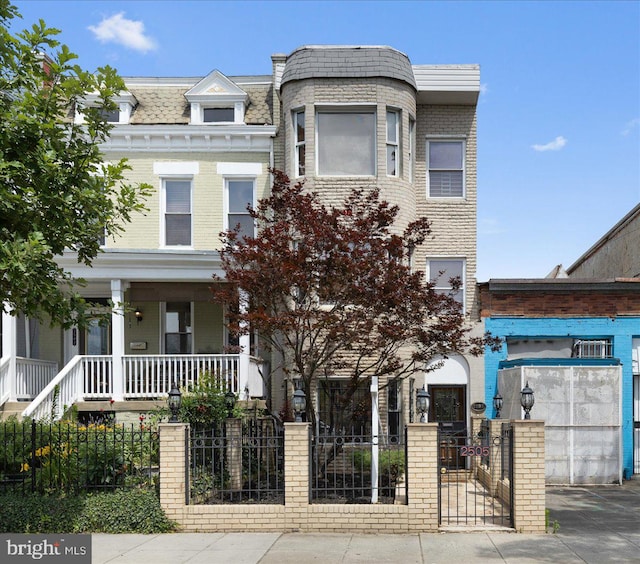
[[139, 315]]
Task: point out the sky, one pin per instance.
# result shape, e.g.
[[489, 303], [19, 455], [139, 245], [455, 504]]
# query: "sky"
[[558, 114]]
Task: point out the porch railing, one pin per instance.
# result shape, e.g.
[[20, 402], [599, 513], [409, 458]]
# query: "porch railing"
[[145, 377], [33, 375], [4, 380], [59, 393], [150, 376]]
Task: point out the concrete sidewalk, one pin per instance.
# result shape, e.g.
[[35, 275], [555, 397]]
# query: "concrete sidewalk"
[[597, 525]]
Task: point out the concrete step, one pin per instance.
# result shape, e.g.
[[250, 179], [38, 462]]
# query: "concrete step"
[[12, 408]]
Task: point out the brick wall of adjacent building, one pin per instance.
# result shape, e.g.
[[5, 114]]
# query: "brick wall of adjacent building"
[[550, 303], [418, 513]]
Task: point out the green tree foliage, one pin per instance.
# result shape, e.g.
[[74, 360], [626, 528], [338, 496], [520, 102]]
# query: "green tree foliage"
[[56, 191], [331, 291]]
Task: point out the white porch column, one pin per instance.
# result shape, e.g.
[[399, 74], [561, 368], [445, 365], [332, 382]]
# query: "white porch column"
[[10, 349], [118, 288]]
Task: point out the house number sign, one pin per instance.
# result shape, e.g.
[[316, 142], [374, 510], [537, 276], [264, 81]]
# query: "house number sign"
[[473, 450]]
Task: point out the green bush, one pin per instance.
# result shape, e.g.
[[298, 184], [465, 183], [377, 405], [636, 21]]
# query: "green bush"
[[390, 462], [204, 406], [120, 511]]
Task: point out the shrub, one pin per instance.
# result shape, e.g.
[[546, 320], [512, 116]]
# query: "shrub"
[[121, 511], [390, 462]]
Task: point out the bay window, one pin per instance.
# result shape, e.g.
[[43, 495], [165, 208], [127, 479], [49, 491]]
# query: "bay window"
[[346, 142]]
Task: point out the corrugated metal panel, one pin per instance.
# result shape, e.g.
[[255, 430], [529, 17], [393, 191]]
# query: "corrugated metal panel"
[[447, 77]]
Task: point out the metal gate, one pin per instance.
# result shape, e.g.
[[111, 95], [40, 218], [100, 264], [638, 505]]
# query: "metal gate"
[[474, 478]]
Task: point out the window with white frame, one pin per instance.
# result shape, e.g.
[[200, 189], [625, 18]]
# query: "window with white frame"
[[444, 273], [393, 143], [177, 328], [177, 212], [300, 143], [240, 195], [346, 141], [412, 148], [445, 161]]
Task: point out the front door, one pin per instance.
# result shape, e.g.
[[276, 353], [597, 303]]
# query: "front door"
[[448, 408]]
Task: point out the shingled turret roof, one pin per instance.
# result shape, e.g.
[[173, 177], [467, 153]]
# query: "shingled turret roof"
[[344, 61]]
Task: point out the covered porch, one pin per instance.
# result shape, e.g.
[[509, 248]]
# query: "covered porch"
[[162, 328]]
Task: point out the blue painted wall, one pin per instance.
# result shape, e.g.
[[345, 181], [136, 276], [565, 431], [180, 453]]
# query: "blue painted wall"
[[620, 330]]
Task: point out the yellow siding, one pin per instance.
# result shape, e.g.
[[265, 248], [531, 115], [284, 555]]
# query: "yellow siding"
[[144, 231]]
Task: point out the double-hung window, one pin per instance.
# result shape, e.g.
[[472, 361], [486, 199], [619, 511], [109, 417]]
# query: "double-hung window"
[[300, 144], [346, 141], [445, 160], [240, 195], [177, 328], [393, 143], [412, 148], [177, 212], [443, 272]]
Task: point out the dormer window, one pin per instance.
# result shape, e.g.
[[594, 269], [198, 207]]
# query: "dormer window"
[[125, 101], [216, 100]]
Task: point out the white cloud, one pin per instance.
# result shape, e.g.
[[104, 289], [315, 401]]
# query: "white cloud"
[[630, 126], [554, 145], [120, 30], [484, 88]]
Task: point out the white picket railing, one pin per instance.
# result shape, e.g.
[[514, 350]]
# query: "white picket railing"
[[151, 376], [33, 375], [59, 394], [145, 377]]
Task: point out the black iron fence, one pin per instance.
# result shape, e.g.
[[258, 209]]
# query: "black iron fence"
[[237, 462], [66, 456], [463, 497], [341, 468]]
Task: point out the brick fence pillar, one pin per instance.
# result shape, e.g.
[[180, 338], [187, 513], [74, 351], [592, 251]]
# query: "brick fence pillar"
[[173, 464], [528, 478], [422, 476], [296, 475]]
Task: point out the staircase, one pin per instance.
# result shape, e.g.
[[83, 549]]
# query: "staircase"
[[10, 408]]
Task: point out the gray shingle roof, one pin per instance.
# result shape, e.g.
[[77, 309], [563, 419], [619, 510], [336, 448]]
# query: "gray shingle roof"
[[166, 105], [326, 61]]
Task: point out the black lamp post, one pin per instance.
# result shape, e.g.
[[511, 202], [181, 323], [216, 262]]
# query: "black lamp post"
[[497, 404], [527, 400], [175, 400], [299, 404], [422, 403], [230, 402]]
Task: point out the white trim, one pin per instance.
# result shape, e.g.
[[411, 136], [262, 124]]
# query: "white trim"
[[183, 168], [447, 139], [163, 211], [232, 138], [450, 258], [225, 205], [239, 169]]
